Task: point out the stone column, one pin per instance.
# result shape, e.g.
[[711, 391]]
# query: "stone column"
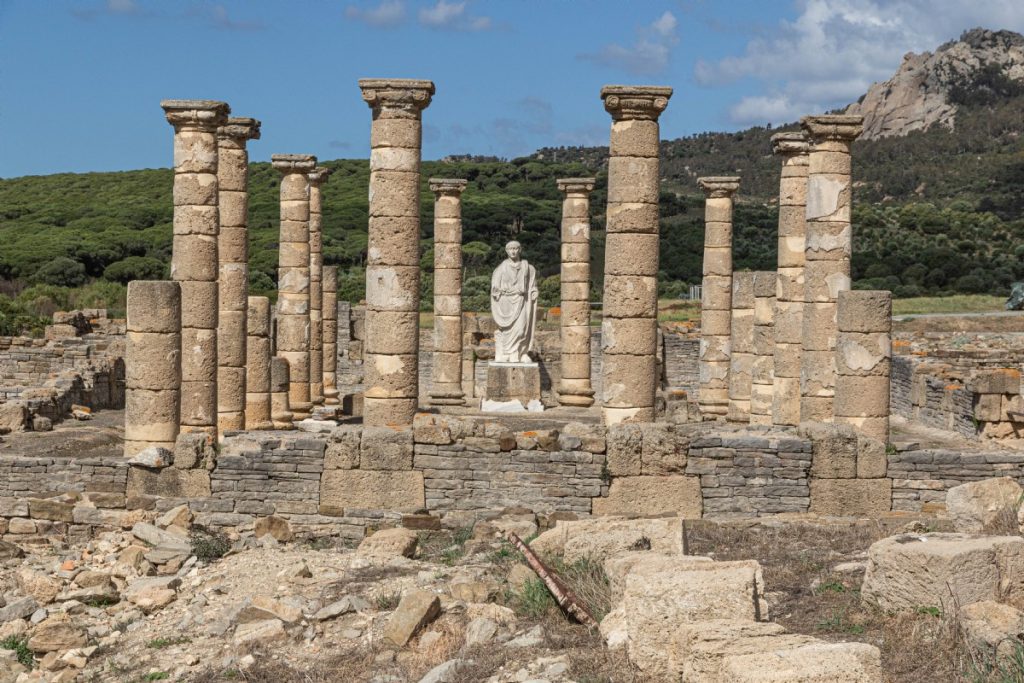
[[827, 253], [233, 273], [152, 366], [257, 364], [789, 299], [716, 295], [629, 329], [316, 268], [763, 369], [293, 322], [741, 344], [391, 362], [194, 263], [280, 388], [864, 361], [447, 380], [330, 331], [574, 389]]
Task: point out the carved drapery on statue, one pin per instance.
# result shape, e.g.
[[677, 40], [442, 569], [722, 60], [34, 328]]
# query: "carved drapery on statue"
[[514, 307]]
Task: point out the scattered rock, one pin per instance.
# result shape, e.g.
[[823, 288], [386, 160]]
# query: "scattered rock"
[[41, 423], [347, 604], [390, 543], [40, 586], [532, 638], [448, 672], [18, 609], [180, 517], [599, 538], [260, 632], [993, 628], [480, 631], [416, 609], [473, 591], [262, 608], [276, 527], [9, 551], [57, 632], [153, 457], [979, 506]]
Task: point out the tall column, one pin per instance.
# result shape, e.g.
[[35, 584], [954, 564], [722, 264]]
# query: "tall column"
[[716, 295], [194, 263], [280, 387], [629, 329], [316, 268], [233, 273], [257, 364], [741, 345], [864, 361], [827, 252], [789, 299], [152, 366], [330, 351], [390, 360], [574, 389], [293, 323], [763, 368], [447, 384]]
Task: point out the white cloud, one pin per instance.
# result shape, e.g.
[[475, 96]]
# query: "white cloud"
[[452, 16], [650, 52], [835, 49], [388, 13], [122, 6]]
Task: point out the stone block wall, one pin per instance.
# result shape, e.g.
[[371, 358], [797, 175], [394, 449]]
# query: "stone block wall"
[[920, 478], [39, 477]]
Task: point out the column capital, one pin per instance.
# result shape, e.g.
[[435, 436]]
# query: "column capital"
[[293, 163], [841, 127], [790, 144], [448, 186], [400, 93], [627, 102], [319, 175], [202, 115], [240, 128], [719, 186], [576, 185]]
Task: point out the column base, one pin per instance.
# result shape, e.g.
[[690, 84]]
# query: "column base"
[[712, 410], [300, 410], [331, 395], [385, 412], [198, 429], [614, 416], [579, 400], [738, 410], [231, 422], [447, 397]]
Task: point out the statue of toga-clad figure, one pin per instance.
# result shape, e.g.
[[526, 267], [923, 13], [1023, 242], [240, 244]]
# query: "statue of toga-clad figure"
[[514, 306]]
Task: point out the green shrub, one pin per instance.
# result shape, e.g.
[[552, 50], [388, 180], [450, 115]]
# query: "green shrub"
[[135, 268], [61, 271]]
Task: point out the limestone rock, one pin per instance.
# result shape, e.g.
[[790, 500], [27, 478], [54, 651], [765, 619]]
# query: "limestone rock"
[[9, 551], [602, 537], [260, 632], [480, 631], [18, 609], [811, 663], [51, 509], [390, 543], [153, 457], [40, 586], [349, 603], [979, 505], [179, 516], [58, 632], [263, 608], [277, 527], [416, 609], [156, 536], [909, 571], [446, 672]]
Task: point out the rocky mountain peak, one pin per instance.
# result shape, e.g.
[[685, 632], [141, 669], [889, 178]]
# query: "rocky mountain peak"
[[918, 95]]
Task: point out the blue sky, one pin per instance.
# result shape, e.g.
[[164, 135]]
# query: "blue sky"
[[81, 80]]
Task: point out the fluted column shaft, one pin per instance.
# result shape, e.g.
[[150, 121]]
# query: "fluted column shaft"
[[257, 364], [330, 331], [316, 267], [827, 251], [391, 357], [152, 366], [194, 261], [741, 345], [293, 320], [864, 361], [447, 380], [629, 328], [716, 296], [233, 273], [789, 300], [763, 368], [574, 388]]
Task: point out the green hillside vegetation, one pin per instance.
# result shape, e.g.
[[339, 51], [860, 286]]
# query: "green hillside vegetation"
[[936, 213]]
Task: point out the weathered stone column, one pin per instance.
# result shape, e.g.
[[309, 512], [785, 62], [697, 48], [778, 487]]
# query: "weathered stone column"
[[317, 178], [257, 364], [864, 361], [194, 263], [233, 273], [330, 351], [280, 388], [827, 252], [763, 369], [152, 366], [575, 389], [293, 322], [447, 380], [789, 299], [391, 361], [716, 296], [741, 345], [629, 329]]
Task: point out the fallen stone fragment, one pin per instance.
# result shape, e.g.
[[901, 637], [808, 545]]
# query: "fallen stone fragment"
[[276, 527], [446, 672], [480, 631], [9, 551], [979, 506], [260, 632], [158, 537], [347, 604], [40, 586], [179, 516], [532, 638], [19, 609], [416, 609], [57, 632], [262, 608], [151, 594], [993, 628], [599, 538], [473, 591], [153, 457], [101, 593], [389, 543]]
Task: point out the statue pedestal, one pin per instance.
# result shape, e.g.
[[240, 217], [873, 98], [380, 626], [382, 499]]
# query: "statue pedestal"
[[513, 381]]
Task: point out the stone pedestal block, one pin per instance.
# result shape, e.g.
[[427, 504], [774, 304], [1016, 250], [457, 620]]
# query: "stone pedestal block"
[[513, 381]]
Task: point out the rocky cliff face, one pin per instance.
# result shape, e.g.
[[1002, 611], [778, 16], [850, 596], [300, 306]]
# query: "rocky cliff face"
[[918, 94]]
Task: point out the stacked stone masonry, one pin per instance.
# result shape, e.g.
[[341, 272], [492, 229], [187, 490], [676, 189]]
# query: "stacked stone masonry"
[[763, 366], [863, 361], [446, 388], [630, 301], [574, 388], [258, 353], [741, 343], [330, 332], [316, 291]]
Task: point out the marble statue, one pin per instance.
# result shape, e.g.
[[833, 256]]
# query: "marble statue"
[[514, 306]]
